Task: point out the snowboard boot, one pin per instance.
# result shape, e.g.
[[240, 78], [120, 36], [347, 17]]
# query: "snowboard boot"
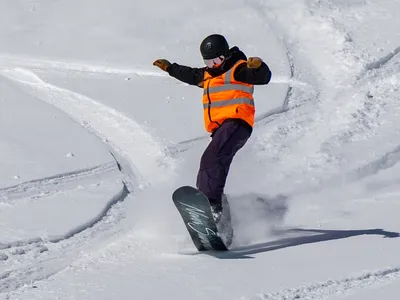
[[222, 217], [216, 209], [225, 224]]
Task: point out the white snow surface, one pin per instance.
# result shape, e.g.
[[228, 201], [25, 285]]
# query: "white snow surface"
[[94, 140], [39, 141]]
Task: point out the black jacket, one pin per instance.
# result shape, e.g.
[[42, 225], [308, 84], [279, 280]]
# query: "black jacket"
[[195, 76]]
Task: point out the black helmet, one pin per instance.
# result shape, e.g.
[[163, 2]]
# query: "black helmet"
[[213, 46]]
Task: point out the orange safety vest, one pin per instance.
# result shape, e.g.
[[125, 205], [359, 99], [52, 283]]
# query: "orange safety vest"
[[226, 98]]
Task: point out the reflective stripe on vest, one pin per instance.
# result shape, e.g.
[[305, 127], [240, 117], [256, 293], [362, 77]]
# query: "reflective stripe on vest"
[[227, 102], [228, 87]]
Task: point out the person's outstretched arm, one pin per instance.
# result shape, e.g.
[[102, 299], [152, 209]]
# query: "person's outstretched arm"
[[192, 76], [254, 72]]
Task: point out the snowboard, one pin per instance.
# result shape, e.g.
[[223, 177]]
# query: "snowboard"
[[195, 211]]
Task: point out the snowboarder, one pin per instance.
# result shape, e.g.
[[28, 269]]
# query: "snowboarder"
[[228, 82]]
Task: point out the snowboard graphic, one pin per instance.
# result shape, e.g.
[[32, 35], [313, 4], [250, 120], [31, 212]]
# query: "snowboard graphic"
[[195, 211]]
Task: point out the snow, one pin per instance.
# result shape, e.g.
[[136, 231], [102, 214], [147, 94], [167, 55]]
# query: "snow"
[[382, 291], [94, 140], [41, 150], [45, 215]]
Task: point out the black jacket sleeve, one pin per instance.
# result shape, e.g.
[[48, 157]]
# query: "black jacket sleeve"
[[192, 76], [261, 75]]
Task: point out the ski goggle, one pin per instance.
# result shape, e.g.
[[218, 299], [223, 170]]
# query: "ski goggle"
[[214, 62]]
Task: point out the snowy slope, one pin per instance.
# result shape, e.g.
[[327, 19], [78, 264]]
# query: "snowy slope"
[[324, 151], [51, 145]]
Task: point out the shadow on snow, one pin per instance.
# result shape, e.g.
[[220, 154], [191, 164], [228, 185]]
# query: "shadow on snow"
[[244, 252]]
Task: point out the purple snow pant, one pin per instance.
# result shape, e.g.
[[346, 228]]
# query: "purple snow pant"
[[218, 156]]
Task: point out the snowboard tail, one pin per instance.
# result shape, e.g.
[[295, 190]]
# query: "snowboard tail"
[[195, 211]]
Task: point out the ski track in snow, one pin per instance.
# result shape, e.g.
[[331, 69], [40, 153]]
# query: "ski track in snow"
[[323, 290], [8, 61], [44, 186], [119, 196], [302, 133], [383, 60], [131, 140], [137, 153], [55, 253], [329, 288], [291, 82]]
